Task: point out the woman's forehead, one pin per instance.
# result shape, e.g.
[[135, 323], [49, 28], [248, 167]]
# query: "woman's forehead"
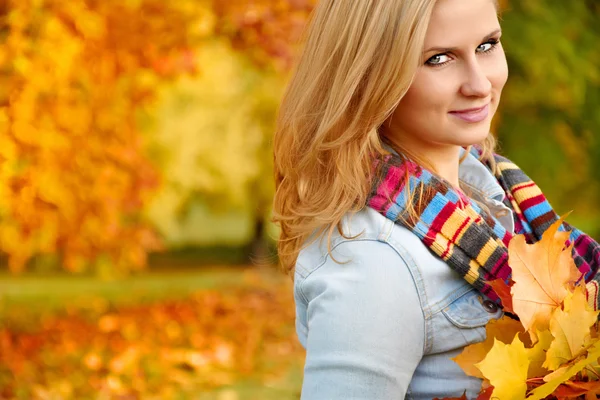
[[454, 22]]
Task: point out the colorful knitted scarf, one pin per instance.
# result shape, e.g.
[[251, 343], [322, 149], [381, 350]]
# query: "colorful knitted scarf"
[[464, 235]]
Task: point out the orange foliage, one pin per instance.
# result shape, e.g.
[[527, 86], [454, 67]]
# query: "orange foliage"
[[202, 342], [266, 30], [73, 174]]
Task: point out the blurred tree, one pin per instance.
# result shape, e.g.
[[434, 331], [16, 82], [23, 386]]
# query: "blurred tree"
[[268, 33], [265, 30], [210, 135], [73, 174]]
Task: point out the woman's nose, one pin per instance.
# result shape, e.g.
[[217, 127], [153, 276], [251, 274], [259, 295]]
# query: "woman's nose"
[[476, 83]]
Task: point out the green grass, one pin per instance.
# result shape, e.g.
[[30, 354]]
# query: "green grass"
[[287, 388], [61, 289]]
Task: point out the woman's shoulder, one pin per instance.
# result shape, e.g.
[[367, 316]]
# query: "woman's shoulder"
[[372, 244], [367, 227], [365, 235]]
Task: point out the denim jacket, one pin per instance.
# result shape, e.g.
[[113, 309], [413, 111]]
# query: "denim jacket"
[[382, 318]]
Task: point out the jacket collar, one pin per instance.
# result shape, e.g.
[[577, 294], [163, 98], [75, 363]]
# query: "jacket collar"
[[477, 176]]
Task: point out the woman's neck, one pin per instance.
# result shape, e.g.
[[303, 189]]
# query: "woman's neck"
[[444, 159]]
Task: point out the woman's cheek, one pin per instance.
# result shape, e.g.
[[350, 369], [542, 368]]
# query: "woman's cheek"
[[500, 75]]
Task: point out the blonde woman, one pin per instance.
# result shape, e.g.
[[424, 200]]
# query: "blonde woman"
[[394, 209]]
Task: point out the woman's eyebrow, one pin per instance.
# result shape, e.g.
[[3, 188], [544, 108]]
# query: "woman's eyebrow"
[[451, 49]]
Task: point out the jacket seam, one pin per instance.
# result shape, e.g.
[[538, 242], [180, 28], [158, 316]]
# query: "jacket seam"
[[451, 297], [324, 259], [421, 292], [304, 328], [426, 340]]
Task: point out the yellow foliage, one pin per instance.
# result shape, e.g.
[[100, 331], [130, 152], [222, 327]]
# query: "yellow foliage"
[[537, 354], [506, 367], [73, 173], [212, 140], [565, 373], [503, 330], [571, 329], [541, 273]]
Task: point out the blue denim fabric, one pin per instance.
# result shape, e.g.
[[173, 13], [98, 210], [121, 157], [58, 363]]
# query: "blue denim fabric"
[[382, 317]]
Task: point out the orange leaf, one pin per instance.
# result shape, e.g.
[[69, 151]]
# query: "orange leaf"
[[541, 273], [486, 394], [573, 389], [503, 291], [463, 397]]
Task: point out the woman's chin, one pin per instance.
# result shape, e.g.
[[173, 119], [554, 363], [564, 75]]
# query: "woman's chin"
[[475, 137]]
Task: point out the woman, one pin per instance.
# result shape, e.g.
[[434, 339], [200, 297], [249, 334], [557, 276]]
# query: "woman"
[[394, 210]]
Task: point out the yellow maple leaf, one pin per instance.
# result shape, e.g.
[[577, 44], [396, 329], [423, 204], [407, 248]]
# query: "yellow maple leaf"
[[506, 366], [570, 328], [503, 330], [537, 354], [541, 272]]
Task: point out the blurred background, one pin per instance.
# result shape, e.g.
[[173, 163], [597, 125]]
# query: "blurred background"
[[136, 249]]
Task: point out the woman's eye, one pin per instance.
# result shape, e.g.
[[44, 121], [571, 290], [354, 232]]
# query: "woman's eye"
[[485, 47], [441, 59], [438, 59]]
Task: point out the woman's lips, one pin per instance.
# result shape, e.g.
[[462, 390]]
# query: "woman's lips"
[[473, 115]]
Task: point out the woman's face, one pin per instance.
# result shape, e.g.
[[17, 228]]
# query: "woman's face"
[[457, 88]]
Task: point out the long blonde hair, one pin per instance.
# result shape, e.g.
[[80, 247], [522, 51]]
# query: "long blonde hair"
[[358, 62]]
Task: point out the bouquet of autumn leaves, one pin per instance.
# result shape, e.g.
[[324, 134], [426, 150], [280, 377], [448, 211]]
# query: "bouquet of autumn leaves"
[[553, 351]]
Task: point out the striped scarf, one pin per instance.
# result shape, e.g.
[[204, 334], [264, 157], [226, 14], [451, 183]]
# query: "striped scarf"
[[464, 235]]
